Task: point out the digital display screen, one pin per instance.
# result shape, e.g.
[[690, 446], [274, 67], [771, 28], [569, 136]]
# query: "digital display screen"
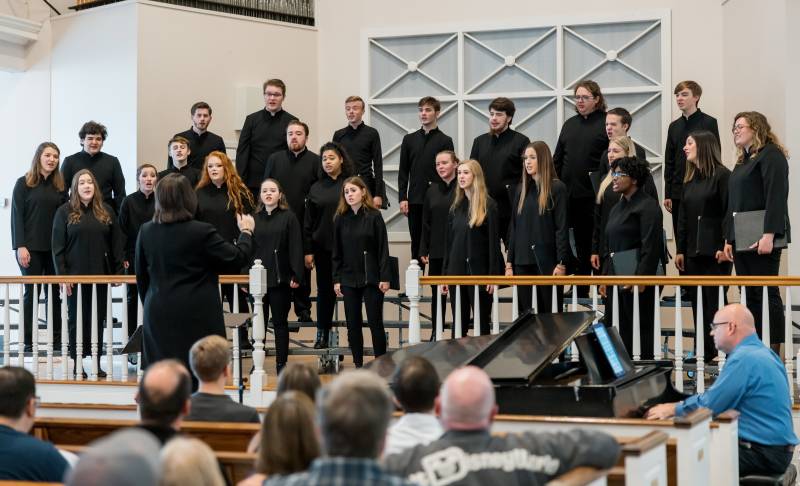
[[608, 349]]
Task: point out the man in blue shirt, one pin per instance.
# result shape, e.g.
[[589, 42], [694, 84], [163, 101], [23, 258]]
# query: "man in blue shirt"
[[22, 457], [754, 383]]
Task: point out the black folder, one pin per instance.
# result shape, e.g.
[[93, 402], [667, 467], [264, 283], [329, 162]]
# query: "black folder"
[[748, 227], [394, 270], [709, 236], [625, 262]]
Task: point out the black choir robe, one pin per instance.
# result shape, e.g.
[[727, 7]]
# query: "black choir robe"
[[363, 145], [704, 205], [321, 204], [263, 134], [200, 145], [276, 238], [418, 163], [435, 213], [87, 247], [136, 210], [500, 157], [213, 207], [580, 145], [187, 171], [32, 213], [637, 223], [361, 249], [106, 170], [674, 156], [473, 251], [296, 174]]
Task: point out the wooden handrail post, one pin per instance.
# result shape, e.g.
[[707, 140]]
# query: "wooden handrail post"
[[413, 293], [258, 287]]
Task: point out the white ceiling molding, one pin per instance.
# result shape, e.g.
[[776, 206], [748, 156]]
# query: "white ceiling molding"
[[18, 31]]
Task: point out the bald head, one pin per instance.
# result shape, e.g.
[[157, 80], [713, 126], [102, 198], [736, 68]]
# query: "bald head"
[[467, 400], [734, 322], [164, 392]]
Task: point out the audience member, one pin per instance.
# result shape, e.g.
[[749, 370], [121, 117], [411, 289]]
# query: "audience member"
[[467, 407], [164, 398], [416, 386], [299, 377], [210, 359], [187, 461], [23, 457], [353, 413], [128, 457]]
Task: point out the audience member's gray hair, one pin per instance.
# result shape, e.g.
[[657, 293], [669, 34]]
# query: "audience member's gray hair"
[[127, 457], [189, 461], [354, 411]]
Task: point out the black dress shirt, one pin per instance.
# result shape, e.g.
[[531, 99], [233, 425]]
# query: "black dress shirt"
[[418, 163], [674, 156], [276, 242], [473, 251], [213, 207], [761, 181], [361, 249], [580, 145], [32, 213], [87, 247], [321, 203], [296, 174], [262, 135], [187, 171], [199, 147], [702, 217], [540, 239], [637, 223], [363, 145], [435, 212], [136, 210], [107, 172], [500, 157]]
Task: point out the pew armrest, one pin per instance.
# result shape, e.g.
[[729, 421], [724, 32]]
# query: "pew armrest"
[[644, 443], [580, 476]]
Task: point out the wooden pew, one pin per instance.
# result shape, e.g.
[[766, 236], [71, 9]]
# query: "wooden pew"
[[581, 476], [645, 460], [220, 436]]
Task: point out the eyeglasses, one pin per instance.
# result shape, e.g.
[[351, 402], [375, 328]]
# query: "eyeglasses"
[[619, 174], [583, 98], [269, 94], [739, 128], [714, 325]]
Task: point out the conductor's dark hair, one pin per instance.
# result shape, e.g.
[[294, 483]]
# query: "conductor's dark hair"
[[201, 105], [176, 201], [625, 115], [93, 128], [162, 407], [505, 105], [17, 387], [416, 385], [637, 169]]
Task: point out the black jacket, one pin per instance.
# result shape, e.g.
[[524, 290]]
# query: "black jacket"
[[637, 223], [276, 239], [176, 273], [321, 203], [87, 247], [213, 207], [501, 160], [199, 147], [435, 212], [580, 145], [136, 210], [361, 249], [363, 145], [418, 163], [296, 174], [674, 156], [473, 251], [702, 219], [32, 213], [540, 239], [262, 135], [187, 171], [107, 171]]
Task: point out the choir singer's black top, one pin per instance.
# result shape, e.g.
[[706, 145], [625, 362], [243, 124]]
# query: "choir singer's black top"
[[636, 223], [262, 135], [87, 247], [107, 172], [500, 157], [435, 212], [136, 210], [418, 163], [199, 147], [32, 213], [761, 181], [473, 251], [296, 174], [540, 239], [187, 171], [213, 207], [363, 145], [276, 239], [361, 249], [321, 203], [704, 207], [580, 144], [674, 156]]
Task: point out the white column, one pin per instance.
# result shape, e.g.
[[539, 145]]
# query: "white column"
[[21, 328], [699, 343], [496, 310], [49, 345], [64, 335], [258, 287], [6, 324], [720, 305], [93, 342], [788, 346], [765, 337], [110, 335], [534, 300], [124, 333], [457, 317], [476, 311], [514, 303], [637, 332], [657, 354], [678, 340], [615, 307], [439, 316], [413, 274], [78, 332], [236, 344], [34, 329], [139, 323]]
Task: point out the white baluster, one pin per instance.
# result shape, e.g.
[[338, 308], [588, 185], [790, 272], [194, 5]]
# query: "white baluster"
[[496, 310], [699, 342], [574, 302], [594, 298], [413, 289], [720, 305], [124, 332], [64, 335], [678, 340], [657, 354], [534, 300], [615, 307], [743, 296], [35, 330], [637, 345], [110, 335], [48, 373], [765, 337], [6, 325], [439, 315], [554, 300], [258, 287], [236, 344], [574, 354], [139, 323], [79, 332], [21, 328], [476, 312], [94, 335], [514, 303], [788, 341], [457, 317]]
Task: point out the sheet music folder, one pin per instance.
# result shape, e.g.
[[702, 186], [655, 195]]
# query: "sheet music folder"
[[748, 227]]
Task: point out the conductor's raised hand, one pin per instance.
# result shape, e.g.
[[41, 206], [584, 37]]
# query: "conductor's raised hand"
[[384, 287], [245, 222]]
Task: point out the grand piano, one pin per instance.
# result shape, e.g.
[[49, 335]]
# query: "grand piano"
[[528, 379]]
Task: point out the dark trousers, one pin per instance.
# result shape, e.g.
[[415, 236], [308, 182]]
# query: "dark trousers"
[[581, 219], [133, 303], [467, 304], [435, 268], [751, 263], [276, 304], [626, 319], [762, 459], [544, 293], [706, 265], [676, 206], [301, 296], [41, 263], [86, 318], [372, 298], [326, 297], [415, 231]]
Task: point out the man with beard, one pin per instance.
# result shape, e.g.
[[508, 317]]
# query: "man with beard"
[[363, 145], [201, 141]]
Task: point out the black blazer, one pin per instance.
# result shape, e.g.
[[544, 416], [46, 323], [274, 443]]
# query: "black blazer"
[[32, 212], [435, 211], [473, 251], [361, 249], [276, 243], [702, 218], [321, 203], [87, 247]]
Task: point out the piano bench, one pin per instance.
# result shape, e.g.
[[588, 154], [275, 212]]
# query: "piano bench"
[[785, 479]]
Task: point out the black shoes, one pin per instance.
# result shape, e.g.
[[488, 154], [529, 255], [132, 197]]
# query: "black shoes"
[[304, 316], [323, 336]]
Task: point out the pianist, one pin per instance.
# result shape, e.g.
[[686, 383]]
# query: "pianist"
[[754, 383], [469, 454]]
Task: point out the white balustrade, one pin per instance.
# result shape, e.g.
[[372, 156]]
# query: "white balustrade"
[[258, 287]]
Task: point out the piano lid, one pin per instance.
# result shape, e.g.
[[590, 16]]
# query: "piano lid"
[[517, 354]]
